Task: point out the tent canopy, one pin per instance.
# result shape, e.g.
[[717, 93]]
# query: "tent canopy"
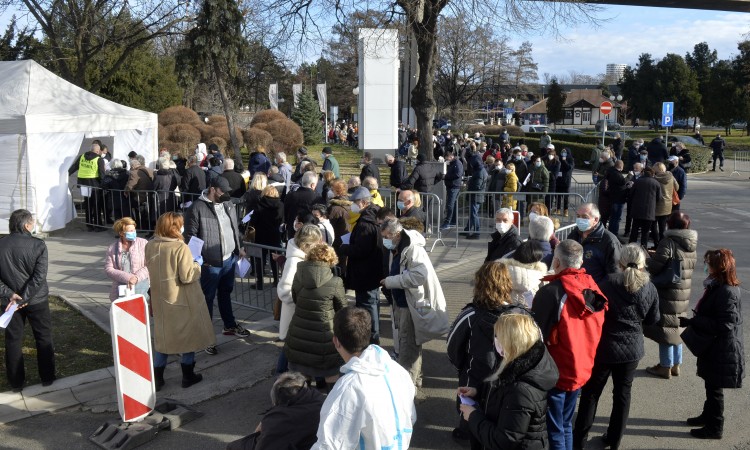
[[45, 121]]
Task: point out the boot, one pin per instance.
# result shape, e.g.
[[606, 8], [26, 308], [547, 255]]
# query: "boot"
[[189, 377], [676, 370], [159, 377], [660, 371], [696, 421], [707, 433]]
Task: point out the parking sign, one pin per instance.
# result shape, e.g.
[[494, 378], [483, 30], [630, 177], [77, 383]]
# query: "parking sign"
[[667, 114]]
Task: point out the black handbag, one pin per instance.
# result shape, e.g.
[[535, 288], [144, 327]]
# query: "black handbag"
[[671, 274], [698, 343]]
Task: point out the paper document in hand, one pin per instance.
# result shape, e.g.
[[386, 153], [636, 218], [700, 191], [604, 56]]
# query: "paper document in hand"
[[528, 177], [246, 219], [196, 246], [5, 318], [243, 265], [345, 238], [467, 400]]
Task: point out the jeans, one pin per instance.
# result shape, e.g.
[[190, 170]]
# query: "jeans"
[[622, 380], [40, 320], [369, 300], [615, 214], [474, 217], [282, 364], [450, 206], [669, 355], [560, 408], [160, 359], [220, 279]]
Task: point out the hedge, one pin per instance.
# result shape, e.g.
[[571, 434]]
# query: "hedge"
[[588, 140], [495, 130]]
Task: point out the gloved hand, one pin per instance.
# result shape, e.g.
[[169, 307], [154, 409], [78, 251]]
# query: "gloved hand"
[[685, 321], [199, 260]]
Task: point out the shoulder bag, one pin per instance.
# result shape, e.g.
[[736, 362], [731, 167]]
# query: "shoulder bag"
[[671, 275], [697, 342]]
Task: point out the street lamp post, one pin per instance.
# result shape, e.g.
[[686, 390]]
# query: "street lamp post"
[[618, 98]]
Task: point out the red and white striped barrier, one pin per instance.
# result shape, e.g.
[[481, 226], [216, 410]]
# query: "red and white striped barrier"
[[134, 367]]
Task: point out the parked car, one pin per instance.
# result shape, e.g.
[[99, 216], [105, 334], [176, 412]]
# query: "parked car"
[[573, 131], [447, 126], [739, 125], [689, 140], [611, 125], [536, 128], [611, 134]]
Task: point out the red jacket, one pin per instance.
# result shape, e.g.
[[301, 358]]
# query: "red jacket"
[[572, 332]]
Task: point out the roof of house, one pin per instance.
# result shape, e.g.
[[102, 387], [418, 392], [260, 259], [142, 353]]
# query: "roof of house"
[[576, 97]]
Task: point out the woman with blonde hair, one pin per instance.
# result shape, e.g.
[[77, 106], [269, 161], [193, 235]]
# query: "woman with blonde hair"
[[181, 321], [253, 194], [318, 295], [296, 251], [125, 263], [513, 414], [470, 337], [632, 301]]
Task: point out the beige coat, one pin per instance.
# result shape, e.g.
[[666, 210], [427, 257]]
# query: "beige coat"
[[181, 320]]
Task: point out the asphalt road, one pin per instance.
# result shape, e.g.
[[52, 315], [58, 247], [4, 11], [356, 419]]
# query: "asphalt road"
[[720, 210]]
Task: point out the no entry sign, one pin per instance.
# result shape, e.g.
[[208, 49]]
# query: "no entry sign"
[[605, 108]]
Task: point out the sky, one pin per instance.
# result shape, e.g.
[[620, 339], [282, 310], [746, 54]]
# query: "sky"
[[635, 30]]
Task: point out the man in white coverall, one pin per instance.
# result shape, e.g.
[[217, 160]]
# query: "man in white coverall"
[[372, 405]]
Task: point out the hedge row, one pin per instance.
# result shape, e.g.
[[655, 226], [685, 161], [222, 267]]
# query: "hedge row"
[[589, 140]]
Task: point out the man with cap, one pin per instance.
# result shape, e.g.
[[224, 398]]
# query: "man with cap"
[[301, 157], [330, 162], [364, 262], [673, 165], [213, 152], [369, 169], [213, 219]]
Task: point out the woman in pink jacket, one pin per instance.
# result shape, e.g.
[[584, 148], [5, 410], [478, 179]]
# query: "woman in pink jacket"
[[126, 260]]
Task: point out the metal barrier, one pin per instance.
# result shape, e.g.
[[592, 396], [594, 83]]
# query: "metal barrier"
[[480, 218], [432, 205], [741, 162]]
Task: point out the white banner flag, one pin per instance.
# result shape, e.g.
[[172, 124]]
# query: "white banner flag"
[[296, 91], [273, 96], [322, 101]]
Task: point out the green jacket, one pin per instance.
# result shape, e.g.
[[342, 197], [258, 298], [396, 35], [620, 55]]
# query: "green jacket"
[[332, 164], [318, 295]]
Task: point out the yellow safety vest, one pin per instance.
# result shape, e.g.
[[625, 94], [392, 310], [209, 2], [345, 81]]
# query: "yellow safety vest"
[[88, 169]]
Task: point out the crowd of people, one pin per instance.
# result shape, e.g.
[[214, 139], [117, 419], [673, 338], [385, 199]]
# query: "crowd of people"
[[549, 321]]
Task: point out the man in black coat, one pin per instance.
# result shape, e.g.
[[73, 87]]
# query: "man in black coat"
[[236, 182], [303, 198], [301, 156], [364, 263], [657, 151], [453, 179], [423, 177], [643, 195], [194, 181], [717, 146], [601, 249], [406, 206], [369, 169], [506, 237], [398, 171], [23, 284]]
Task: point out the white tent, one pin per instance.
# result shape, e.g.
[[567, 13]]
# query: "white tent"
[[45, 122]]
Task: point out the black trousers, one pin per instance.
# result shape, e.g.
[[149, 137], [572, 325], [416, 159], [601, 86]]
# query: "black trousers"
[[661, 224], [713, 408], [622, 379], [40, 320], [720, 157], [643, 227]]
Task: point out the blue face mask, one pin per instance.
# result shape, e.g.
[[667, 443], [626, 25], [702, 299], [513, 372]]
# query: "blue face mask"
[[323, 155], [388, 243], [130, 235], [583, 224], [705, 269], [563, 154], [643, 157], [400, 205]]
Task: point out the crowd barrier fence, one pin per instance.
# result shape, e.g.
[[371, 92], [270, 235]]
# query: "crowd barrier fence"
[[432, 205], [741, 162]]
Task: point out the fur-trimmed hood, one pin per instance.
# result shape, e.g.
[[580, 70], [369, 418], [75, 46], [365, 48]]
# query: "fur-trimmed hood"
[[524, 278]]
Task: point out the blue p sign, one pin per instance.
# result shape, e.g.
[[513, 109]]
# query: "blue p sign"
[[667, 113]]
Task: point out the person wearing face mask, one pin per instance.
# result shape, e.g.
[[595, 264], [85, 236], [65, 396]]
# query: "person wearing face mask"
[[630, 179], [680, 176], [634, 153], [453, 178], [364, 258], [612, 197], [539, 180], [564, 178], [420, 308], [605, 163], [601, 247], [213, 219], [398, 171], [570, 313], [657, 150], [181, 322], [125, 263], [552, 164], [496, 182], [643, 197], [407, 207], [329, 161], [513, 413], [505, 238]]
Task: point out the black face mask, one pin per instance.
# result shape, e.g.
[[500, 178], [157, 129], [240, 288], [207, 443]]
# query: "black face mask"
[[224, 198]]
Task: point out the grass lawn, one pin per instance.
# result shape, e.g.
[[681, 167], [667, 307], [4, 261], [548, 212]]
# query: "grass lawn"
[[80, 345]]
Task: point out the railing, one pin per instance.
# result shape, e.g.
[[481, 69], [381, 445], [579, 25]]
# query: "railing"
[[432, 206], [481, 220], [741, 162]]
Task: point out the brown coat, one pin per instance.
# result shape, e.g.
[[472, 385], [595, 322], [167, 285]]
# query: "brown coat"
[[181, 321], [664, 202]]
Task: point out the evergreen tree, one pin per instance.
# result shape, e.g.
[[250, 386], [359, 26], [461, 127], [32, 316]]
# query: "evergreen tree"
[[555, 103], [307, 115]]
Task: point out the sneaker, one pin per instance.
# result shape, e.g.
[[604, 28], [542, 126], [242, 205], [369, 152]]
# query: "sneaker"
[[211, 350], [237, 330], [721, 168]]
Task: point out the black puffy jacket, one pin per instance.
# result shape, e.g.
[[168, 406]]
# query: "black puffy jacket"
[[622, 332], [23, 269], [422, 178], [364, 263], [514, 413], [501, 245]]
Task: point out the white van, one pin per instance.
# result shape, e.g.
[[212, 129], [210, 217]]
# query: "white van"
[[535, 128]]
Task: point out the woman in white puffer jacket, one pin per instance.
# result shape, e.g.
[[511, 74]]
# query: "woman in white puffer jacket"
[[526, 270]]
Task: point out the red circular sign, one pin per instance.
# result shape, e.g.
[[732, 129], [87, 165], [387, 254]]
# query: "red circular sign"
[[605, 108]]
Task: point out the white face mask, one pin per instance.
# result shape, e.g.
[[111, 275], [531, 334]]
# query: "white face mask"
[[502, 227], [182, 230], [550, 157], [499, 348]]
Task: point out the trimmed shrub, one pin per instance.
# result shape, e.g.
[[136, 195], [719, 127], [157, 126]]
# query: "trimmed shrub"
[[255, 138], [161, 133], [217, 120], [178, 114], [172, 146], [181, 132], [261, 126], [267, 116], [587, 140], [207, 131], [287, 136], [700, 156]]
